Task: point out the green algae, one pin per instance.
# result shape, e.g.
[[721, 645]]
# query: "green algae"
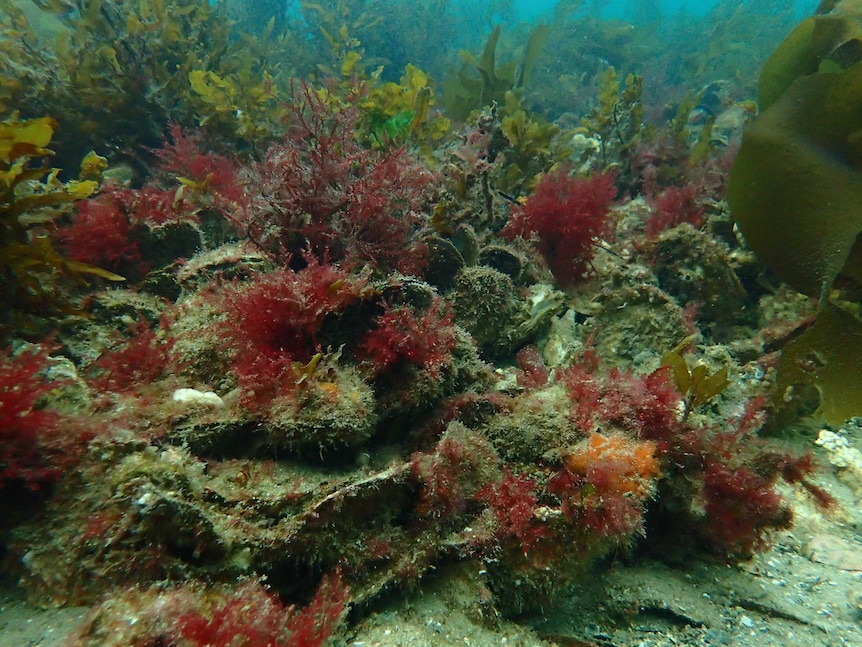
[[481, 82], [796, 185], [795, 190], [829, 357]]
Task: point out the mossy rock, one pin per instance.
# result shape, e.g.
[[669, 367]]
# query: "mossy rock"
[[330, 414], [536, 424], [695, 269], [487, 304], [635, 325]]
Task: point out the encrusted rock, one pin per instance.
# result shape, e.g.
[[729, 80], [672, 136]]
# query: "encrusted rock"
[[636, 325], [487, 304], [536, 424], [231, 261], [505, 259], [444, 263], [331, 412], [696, 270]]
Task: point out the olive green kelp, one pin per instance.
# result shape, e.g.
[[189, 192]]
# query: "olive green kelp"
[[795, 191], [481, 82]]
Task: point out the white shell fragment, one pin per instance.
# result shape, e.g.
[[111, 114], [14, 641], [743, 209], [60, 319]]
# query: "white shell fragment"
[[193, 397]]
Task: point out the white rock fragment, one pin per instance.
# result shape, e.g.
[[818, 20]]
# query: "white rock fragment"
[[195, 397], [843, 456]]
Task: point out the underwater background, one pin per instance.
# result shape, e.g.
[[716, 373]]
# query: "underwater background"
[[632, 10], [387, 323]]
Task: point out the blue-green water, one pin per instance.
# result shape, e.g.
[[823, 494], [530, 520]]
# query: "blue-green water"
[[634, 10], [532, 9]]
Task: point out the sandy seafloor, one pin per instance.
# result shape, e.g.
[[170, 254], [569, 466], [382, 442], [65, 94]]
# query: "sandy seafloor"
[[804, 590]]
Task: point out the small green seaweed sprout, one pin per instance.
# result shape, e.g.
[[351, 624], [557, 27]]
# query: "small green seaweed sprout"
[[696, 383]]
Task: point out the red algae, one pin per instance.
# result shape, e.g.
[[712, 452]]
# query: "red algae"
[[37, 444], [567, 214], [400, 336]]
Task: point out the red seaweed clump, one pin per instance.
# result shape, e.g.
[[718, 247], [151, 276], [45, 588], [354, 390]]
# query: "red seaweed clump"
[[567, 215], [674, 206], [728, 475], [252, 615], [37, 444], [532, 373], [321, 188], [401, 335], [214, 175], [274, 322], [112, 229], [248, 614], [140, 361], [513, 500], [605, 485], [452, 474]]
